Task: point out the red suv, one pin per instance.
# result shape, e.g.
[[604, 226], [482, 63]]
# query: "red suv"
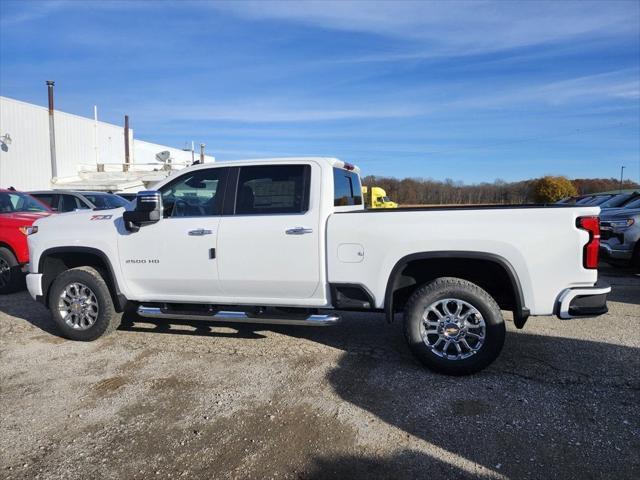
[[18, 211]]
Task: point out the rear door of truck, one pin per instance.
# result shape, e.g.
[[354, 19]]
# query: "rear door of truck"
[[269, 242]]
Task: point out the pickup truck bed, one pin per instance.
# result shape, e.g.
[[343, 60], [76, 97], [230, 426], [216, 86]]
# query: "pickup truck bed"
[[532, 240]]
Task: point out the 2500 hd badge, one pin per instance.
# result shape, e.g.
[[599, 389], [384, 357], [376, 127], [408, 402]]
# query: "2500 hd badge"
[[142, 260]]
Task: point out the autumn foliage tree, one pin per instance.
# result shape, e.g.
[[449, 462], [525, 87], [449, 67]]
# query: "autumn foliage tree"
[[551, 189], [427, 191]]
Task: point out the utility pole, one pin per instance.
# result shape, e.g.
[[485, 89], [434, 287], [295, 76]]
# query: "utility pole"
[[621, 175], [125, 167], [52, 131], [95, 134]]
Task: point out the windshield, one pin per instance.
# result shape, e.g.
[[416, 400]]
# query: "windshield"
[[617, 200], [11, 202], [634, 204], [105, 201], [385, 199], [599, 200], [584, 200]]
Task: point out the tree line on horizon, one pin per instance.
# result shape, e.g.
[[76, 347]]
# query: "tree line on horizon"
[[427, 191]]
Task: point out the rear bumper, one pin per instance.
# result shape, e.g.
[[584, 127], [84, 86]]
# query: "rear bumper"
[[584, 301]]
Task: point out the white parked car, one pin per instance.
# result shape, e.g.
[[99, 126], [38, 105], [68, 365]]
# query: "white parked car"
[[288, 240]]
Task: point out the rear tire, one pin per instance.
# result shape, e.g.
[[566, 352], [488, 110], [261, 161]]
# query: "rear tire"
[[453, 326], [81, 305], [11, 277]]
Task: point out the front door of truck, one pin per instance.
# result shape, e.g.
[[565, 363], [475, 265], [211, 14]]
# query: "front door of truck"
[[174, 259], [269, 240]]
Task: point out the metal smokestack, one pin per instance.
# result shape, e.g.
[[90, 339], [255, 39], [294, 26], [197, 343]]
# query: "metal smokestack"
[[126, 143], [202, 153], [52, 131]]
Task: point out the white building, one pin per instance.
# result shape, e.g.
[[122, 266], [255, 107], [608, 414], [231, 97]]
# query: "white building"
[[89, 154]]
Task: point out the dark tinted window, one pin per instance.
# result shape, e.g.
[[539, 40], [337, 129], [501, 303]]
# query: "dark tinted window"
[[273, 189], [49, 199], [194, 194], [127, 196], [105, 201], [11, 202], [68, 203], [346, 187]]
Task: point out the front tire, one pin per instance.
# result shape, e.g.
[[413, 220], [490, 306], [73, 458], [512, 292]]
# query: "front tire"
[[453, 326], [81, 305], [11, 278]]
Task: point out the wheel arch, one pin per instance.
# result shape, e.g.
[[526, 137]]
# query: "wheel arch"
[[417, 268], [8, 247], [56, 260]]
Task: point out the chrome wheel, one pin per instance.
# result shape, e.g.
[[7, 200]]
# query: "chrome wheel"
[[453, 329], [5, 273], [78, 306]]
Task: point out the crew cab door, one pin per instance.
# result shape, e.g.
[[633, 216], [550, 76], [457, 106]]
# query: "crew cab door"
[[269, 239], [174, 259]]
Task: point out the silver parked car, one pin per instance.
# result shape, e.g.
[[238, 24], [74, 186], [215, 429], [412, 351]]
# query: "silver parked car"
[[620, 237], [70, 200]]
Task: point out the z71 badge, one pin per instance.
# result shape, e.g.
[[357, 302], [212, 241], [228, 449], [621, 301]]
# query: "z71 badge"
[[101, 217]]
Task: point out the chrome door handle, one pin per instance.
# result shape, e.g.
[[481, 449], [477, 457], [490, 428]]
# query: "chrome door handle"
[[199, 232], [298, 231]]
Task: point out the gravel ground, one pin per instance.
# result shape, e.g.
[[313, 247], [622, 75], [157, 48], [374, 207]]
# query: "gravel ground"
[[195, 400]]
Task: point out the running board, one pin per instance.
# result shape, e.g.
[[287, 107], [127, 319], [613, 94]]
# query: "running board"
[[239, 317]]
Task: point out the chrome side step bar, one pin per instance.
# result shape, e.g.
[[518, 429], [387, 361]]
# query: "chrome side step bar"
[[238, 317]]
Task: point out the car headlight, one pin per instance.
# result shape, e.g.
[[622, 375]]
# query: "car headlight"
[[619, 224], [28, 230]]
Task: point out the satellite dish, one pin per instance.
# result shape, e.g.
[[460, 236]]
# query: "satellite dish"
[[163, 156]]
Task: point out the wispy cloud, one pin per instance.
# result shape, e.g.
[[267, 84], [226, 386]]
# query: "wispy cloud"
[[253, 111], [453, 27], [16, 13]]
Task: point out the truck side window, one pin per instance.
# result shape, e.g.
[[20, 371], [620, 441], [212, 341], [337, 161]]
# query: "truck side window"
[[193, 194], [346, 186], [50, 200], [68, 203], [269, 189]]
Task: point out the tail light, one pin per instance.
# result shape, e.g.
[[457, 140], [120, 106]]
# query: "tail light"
[[590, 251]]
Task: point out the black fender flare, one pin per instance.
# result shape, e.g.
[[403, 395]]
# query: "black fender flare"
[[119, 299], [521, 312]]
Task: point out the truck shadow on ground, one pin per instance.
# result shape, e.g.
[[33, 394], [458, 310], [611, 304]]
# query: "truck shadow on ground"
[[408, 463], [545, 409]]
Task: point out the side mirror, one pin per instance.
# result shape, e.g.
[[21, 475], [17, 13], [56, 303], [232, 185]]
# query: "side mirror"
[[148, 210]]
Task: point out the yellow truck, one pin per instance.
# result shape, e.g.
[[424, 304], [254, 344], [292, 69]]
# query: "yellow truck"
[[376, 197]]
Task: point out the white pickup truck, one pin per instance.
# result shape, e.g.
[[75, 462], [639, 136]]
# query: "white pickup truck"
[[289, 241]]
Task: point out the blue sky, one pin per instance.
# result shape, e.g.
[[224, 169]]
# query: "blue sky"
[[471, 91]]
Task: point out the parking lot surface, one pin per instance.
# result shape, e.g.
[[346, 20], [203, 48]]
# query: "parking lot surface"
[[198, 400]]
